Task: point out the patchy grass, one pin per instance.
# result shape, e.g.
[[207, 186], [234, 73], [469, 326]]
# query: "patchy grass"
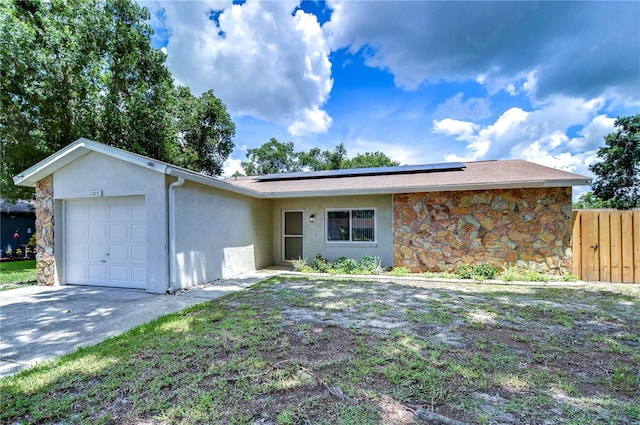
[[292, 351], [14, 274]]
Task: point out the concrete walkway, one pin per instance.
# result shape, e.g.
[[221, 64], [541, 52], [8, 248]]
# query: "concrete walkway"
[[39, 323]]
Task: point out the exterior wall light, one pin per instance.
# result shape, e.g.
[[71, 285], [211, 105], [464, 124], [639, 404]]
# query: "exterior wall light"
[[312, 218]]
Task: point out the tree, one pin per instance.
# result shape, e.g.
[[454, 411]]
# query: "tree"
[[74, 68], [618, 168], [589, 201], [276, 157], [370, 160], [271, 158], [205, 132]]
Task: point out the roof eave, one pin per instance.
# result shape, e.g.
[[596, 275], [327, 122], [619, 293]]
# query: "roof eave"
[[212, 182], [76, 150], [417, 189]]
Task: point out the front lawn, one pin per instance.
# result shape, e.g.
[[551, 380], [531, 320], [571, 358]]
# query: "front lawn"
[[325, 351], [14, 274]]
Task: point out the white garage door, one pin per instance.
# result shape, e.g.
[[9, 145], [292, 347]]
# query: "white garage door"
[[105, 242]]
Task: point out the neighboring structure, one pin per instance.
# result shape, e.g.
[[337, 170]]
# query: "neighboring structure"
[[120, 219], [17, 225]]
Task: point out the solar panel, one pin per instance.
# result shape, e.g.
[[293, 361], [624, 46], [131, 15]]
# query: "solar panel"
[[354, 172]]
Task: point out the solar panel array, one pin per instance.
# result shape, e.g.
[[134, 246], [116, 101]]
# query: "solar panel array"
[[355, 172]]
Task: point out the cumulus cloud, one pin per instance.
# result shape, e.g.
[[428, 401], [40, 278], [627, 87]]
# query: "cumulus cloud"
[[474, 108], [267, 60], [539, 136], [546, 48]]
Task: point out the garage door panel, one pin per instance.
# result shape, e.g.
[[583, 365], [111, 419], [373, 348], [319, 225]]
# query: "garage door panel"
[[97, 212], [120, 253], [97, 232], [105, 242], [77, 232], [97, 272], [138, 253], [119, 232], [138, 232], [119, 212], [138, 274]]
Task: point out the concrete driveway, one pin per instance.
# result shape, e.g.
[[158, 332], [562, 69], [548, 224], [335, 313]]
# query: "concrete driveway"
[[39, 323]]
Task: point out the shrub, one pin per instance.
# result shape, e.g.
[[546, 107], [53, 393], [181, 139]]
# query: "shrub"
[[399, 271], [523, 273], [482, 271], [345, 265], [320, 264], [370, 264], [300, 264]]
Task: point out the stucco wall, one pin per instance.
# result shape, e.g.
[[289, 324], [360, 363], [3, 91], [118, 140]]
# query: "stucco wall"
[[314, 233], [114, 177], [219, 234], [437, 231]]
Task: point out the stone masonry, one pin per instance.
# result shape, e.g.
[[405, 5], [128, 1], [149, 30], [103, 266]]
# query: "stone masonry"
[[45, 261], [437, 231]]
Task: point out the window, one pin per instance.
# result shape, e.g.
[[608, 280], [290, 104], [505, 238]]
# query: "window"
[[351, 225]]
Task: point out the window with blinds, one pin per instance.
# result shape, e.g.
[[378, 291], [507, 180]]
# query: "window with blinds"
[[351, 225]]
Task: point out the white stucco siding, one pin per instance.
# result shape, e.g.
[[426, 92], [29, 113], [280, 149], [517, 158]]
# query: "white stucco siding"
[[117, 178], [314, 232], [219, 234]]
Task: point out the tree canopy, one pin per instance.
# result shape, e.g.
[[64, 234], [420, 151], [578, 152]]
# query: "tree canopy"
[[278, 157], [617, 169], [71, 69]]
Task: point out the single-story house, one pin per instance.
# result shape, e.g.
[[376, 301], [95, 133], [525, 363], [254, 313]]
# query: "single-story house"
[[17, 225], [109, 217]]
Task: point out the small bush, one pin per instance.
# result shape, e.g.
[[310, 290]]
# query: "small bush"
[[344, 265], [300, 264], [523, 273], [371, 265], [399, 271], [482, 271], [320, 264]]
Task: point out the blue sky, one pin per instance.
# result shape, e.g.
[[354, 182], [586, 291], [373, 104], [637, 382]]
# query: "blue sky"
[[423, 82]]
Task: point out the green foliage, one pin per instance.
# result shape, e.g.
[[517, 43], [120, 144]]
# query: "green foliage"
[[343, 265], [399, 271], [515, 273], [481, 271], [277, 157], [71, 69], [618, 166], [589, 201], [300, 265]]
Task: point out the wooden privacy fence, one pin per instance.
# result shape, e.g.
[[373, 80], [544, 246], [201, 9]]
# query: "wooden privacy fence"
[[606, 245]]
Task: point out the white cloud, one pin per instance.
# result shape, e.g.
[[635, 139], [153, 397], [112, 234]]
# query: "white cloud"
[[474, 108], [260, 58], [230, 166], [538, 136], [542, 48]]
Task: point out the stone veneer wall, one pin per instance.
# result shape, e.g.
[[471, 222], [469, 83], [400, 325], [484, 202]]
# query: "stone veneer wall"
[[45, 261], [437, 231]]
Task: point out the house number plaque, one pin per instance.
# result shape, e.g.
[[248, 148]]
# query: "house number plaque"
[[95, 194]]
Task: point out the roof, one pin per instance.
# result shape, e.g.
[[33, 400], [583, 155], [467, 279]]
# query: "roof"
[[482, 175]]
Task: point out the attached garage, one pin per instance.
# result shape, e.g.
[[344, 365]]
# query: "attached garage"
[[105, 242]]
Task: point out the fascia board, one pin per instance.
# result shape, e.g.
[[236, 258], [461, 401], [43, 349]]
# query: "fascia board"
[[212, 182]]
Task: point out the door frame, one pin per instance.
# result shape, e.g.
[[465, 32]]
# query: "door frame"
[[284, 235]]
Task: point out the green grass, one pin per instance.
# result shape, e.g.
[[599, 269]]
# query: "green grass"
[[14, 274], [292, 351]]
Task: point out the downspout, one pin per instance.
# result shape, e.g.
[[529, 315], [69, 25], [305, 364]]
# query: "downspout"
[[173, 261]]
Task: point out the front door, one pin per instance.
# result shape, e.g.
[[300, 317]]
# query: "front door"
[[292, 238]]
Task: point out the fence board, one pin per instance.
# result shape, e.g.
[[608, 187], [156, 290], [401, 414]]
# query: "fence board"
[[590, 256], [616, 246], [636, 246], [627, 247], [604, 245], [576, 243]]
